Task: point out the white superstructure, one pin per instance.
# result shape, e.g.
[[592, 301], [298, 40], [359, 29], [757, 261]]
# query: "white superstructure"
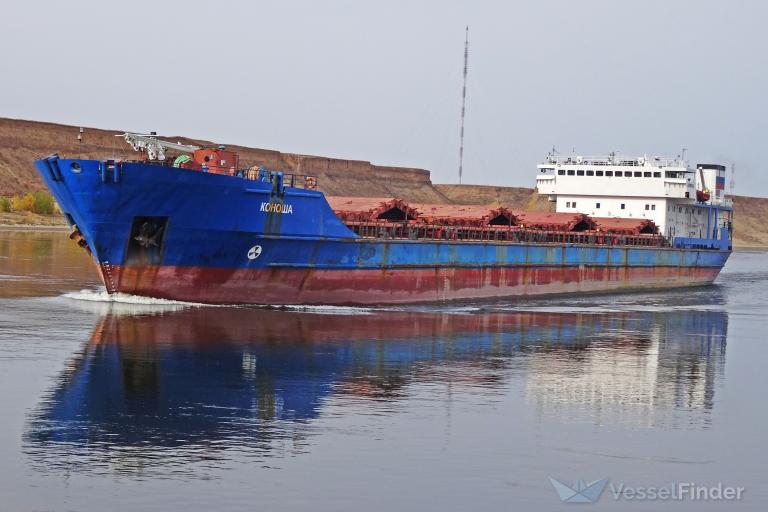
[[681, 200]]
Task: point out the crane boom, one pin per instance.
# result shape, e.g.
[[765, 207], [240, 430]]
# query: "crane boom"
[[155, 147]]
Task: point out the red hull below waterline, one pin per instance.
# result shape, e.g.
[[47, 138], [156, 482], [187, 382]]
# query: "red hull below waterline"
[[388, 286]]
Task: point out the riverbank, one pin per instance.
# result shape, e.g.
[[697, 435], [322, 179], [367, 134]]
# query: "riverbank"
[[31, 221], [22, 141]]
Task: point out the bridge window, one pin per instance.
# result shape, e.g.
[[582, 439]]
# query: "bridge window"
[[618, 173], [647, 174], [657, 174], [571, 172], [561, 172], [609, 173], [579, 173], [590, 173], [598, 173], [638, 174]]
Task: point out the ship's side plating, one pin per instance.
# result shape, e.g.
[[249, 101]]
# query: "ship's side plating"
[[204, 237]]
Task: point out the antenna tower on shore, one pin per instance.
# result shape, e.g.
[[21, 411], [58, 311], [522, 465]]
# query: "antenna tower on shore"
[[733, 178], [463, 103]]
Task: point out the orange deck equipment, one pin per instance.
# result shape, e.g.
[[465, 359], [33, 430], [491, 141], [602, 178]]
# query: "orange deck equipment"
[[556, 221], [371, 209], [465, 215], [626, 226]]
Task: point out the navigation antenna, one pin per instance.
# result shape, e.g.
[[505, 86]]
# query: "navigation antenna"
[[463, 103]]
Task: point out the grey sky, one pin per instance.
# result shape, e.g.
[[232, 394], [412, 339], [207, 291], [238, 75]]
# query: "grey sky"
[[381, 81]]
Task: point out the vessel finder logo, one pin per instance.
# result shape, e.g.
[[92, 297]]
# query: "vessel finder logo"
[[580, 491]]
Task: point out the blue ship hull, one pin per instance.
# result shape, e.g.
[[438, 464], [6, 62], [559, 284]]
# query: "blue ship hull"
[[203, 237]]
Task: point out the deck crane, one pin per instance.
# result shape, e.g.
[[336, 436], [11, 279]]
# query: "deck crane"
[[155, 147]]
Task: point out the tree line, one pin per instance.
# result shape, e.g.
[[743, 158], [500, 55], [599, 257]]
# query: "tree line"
[[36, 202]]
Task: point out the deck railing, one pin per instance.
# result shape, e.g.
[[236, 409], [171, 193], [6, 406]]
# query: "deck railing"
[[417, 231], [617, 160], [253, 173]]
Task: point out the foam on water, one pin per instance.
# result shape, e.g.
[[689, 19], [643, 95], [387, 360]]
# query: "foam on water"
[[125, 298], [101, 301], [329, 310]]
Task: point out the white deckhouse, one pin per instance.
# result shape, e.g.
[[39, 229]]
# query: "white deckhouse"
[[687, 204]]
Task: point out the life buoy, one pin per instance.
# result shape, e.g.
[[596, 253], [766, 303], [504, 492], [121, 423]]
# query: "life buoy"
[[310, 182]]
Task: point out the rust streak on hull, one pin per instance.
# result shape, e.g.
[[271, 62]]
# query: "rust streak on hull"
[[393, 286]]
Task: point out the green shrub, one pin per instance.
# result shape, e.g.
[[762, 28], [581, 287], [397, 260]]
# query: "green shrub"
[[39, 202], [43, 203]]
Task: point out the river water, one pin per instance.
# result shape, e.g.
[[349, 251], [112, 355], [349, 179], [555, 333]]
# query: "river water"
[[133, 404]]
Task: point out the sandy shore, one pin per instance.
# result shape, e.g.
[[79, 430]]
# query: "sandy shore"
[[31, 221], [33, 227]]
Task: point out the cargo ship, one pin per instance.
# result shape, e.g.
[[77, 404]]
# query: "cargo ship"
[[191, 223]]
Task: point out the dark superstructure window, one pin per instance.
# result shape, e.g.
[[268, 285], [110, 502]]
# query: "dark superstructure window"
[[597, 206], [561, 172], [579, 173], [647, 174], [638, 174], [571, 172], [598, 173], [609, 173], [618, 173], [657, 174], [622, 206], [590, 173]]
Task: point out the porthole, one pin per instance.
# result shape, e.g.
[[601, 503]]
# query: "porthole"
[[75, 166]]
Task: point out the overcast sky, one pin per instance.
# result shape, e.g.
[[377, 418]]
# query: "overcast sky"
[[381, 81]]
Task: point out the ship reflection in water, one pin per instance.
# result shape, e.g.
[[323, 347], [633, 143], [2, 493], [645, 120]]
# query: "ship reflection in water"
[[199, 385]]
